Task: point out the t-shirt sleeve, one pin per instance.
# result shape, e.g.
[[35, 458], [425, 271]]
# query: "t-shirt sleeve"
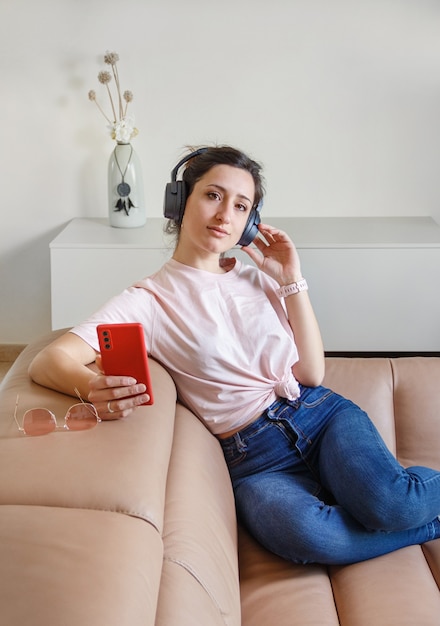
[[132, 305]]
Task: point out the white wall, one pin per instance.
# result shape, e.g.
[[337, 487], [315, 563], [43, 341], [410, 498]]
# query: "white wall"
[[340, 100]]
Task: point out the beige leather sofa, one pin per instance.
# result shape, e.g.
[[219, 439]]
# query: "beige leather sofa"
[[133, 523]]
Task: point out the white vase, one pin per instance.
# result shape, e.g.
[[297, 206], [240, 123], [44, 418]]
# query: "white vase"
[[125, 188]]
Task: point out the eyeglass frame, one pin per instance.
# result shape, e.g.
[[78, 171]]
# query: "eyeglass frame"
[[53, 416]]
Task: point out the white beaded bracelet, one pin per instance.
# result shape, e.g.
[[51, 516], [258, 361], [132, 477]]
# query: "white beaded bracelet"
[[288, 290]]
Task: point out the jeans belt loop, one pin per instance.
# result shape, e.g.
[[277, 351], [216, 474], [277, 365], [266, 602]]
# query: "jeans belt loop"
[[274, 408], [241, 446]]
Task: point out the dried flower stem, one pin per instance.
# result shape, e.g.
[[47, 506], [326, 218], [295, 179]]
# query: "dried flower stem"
[[118, 89], [111, 101], [92, 96]]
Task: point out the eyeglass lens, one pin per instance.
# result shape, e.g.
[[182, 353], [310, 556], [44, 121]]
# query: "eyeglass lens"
[[42, 421]]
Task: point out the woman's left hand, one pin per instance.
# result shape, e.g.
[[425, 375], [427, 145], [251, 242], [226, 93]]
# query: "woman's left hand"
[[276, 255]]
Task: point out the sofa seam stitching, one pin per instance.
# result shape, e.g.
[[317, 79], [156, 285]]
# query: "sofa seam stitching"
[[190, 570]]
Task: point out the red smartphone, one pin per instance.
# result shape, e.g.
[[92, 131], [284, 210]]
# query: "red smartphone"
[[123, 352]]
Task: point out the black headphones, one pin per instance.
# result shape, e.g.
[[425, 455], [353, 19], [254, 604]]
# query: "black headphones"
[[176, 195]]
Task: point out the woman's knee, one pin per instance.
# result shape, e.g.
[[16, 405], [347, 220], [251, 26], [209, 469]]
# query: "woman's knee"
[[394, 509]]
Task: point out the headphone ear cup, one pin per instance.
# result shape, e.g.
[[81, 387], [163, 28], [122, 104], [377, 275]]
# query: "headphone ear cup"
[[251, 228], [174, 201], [176, 191]]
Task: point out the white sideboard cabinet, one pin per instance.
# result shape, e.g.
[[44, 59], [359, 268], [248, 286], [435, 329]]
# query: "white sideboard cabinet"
[[374, 282]]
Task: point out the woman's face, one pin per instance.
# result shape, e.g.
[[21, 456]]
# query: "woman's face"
[[217, 209]]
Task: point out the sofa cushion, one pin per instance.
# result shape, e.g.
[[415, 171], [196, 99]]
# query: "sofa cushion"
[[396, 588], [200, 537], [77, 568], [417, 410], [277, 593]]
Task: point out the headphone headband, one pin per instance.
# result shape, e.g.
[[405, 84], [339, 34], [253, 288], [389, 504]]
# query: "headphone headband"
[[184, 160]]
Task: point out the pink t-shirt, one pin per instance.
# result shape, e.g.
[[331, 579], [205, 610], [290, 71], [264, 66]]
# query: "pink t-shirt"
[[224, 338]]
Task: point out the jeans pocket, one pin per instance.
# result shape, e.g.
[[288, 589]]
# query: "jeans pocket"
[[312, 397]]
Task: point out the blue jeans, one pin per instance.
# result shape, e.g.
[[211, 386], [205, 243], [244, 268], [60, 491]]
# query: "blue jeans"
[[314, 482]]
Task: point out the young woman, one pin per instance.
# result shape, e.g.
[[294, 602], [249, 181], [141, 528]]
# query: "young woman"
[[313, 480]]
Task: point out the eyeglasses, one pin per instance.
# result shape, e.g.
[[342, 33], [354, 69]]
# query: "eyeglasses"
[[80, 416]]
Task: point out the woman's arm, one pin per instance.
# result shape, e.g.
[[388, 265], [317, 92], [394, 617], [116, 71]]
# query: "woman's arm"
[[277, 256], [62, 366], [310, 368]]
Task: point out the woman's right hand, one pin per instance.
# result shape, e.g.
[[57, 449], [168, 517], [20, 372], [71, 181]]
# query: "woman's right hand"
[[115, 396], [63, 366]]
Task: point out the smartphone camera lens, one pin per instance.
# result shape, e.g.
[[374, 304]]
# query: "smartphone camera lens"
[[107, 340]]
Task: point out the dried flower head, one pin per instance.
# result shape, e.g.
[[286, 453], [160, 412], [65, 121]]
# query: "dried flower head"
[[104, 77], [121, 127], [111, 58]]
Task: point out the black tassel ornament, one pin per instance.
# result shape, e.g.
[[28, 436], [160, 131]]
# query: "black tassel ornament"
[[124, 203]]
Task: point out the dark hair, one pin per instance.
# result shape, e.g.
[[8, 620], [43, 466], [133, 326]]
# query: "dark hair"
[[199, 165]]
